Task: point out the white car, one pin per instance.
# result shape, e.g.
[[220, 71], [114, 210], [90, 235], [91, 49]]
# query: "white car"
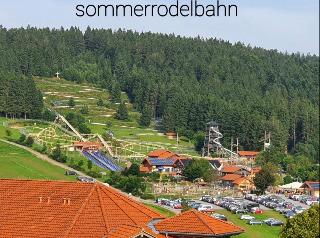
[[247, 217], [204, 208], [309, 202]]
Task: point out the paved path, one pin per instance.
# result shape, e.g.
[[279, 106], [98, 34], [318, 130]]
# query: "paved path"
[[45, 157]]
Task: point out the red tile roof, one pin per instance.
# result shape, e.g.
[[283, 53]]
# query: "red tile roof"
[[231, 177], [131, 231], [230, 169], [166, 155], [248, 153], [66, 209], [256, 170], [197, 224], [157, 152], [239, 180]]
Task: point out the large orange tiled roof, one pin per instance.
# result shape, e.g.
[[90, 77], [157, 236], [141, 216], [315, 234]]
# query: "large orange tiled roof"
[[157, 152], [231, 177], [131, 231], [248, 153], [198, 224], [230, 169], [66, 209]]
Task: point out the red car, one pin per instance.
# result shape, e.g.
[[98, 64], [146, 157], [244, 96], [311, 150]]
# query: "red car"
[[256, 210]]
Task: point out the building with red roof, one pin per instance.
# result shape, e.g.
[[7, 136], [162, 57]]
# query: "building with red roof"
[[196, 224], [87, 145], [163, 161], [311, 187], [54, 209], [249, 156]]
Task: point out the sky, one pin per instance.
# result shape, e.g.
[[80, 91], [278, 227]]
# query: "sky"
[[286, 25]]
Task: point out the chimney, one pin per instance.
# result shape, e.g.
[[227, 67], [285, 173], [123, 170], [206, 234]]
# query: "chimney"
[[40, 199], [69, 201], [64, 201], [48, 202]]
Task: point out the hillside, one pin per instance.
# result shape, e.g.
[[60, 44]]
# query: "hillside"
[[184, 82], [101, 119]]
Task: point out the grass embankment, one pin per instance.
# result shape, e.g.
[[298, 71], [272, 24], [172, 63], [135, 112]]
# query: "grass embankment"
[[161, 210], [20, 164], [255, 231]]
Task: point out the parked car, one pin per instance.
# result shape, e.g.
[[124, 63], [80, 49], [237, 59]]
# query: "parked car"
[[255, 222], [311, 202], [86, 179], [177, 206], [256, 210], [247, 217], [240, 211], [275, 222], [205, 208], [290, 214], [269, 220], [219, 216], [71, 172]]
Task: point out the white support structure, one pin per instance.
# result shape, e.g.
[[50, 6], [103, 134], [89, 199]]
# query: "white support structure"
[[106, 145]]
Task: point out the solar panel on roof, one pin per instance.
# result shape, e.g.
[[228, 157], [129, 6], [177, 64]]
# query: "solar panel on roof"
[[314, 185], [161, 162]]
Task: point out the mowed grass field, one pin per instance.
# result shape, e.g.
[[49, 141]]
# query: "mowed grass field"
[[20, 164], [256, 231]]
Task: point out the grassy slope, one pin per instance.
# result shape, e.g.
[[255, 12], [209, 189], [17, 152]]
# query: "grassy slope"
[[21, 164], [255, 231], [163, 211], [60, 91]]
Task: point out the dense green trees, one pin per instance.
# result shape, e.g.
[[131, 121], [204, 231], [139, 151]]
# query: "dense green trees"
[[122, 112], [263, 180], [304, 225], [199, 168], [187, 82], [19, 96]]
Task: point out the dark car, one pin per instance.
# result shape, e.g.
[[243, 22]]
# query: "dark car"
[[70, 172], [275, 223], [219, 216]]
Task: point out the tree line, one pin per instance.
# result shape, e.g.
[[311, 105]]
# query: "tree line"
[[183, 82], [19, 96]]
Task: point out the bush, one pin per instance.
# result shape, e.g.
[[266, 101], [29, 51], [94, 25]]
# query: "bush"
[[94, 174], [148, 196], [8, 132], [22, 138], [84, 110]]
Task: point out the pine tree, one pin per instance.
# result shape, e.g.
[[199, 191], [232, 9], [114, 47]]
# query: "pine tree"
[[122, 112], [146, 115]]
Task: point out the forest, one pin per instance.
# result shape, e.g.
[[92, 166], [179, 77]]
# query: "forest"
[[182, 82]]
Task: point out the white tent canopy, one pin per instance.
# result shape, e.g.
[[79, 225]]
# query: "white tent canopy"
[[294, 185]]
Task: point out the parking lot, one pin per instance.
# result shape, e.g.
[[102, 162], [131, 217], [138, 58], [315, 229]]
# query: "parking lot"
[[260, 216]]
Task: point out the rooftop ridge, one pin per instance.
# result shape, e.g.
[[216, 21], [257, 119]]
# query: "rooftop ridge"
[[119, 206], [222, 221], [80, 210], [102, 209], [136, 204], [203, 221]]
